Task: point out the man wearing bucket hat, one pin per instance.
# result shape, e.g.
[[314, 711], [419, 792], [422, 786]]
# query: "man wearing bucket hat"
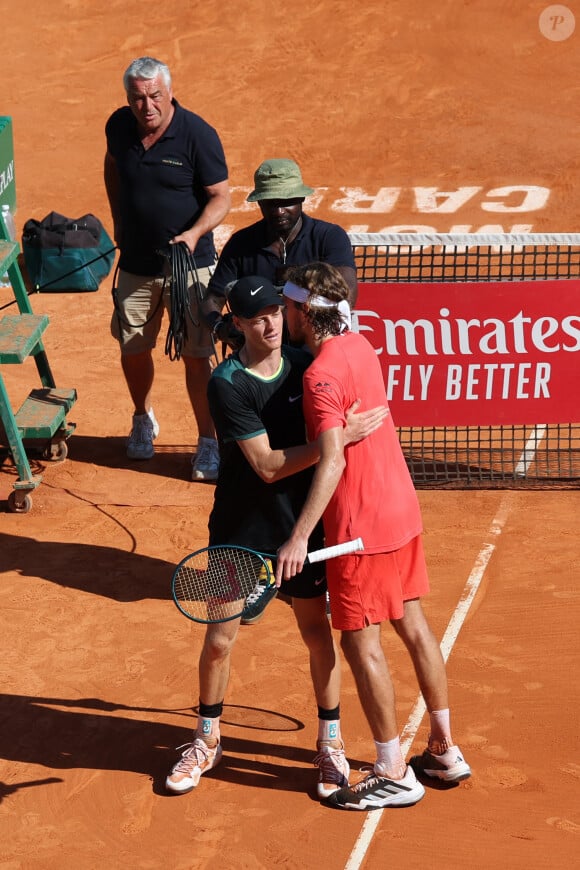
[[284, 237]]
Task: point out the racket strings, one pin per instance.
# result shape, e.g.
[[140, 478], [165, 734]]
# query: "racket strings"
[[214, 584]]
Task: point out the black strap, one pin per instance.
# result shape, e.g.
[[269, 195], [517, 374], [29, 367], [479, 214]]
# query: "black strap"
[[39, 287]]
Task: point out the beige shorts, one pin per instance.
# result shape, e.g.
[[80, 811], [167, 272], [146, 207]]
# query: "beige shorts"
[[139, 305]]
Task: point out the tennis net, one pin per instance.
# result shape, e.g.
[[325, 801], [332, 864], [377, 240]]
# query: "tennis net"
[[485, 456]]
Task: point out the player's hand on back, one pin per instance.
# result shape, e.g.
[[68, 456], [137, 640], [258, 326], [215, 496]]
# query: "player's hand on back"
[[361, 424]]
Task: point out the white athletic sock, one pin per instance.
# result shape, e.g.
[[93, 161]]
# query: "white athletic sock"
[[328, 730], [208, 729]]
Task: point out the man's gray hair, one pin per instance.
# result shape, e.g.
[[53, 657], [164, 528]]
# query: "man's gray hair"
[[146, 68]]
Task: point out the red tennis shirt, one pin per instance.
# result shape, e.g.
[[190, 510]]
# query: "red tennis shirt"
[[375, 498]]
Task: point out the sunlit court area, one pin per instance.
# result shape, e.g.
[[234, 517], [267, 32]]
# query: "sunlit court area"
[[443, 138]]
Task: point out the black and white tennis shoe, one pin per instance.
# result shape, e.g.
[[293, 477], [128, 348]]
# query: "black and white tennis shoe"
[[375, 792]]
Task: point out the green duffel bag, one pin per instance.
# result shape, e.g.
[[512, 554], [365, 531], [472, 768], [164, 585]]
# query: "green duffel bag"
[[66, 254]]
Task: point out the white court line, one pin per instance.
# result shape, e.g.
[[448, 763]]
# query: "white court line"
[[529, 452], [457, 619]]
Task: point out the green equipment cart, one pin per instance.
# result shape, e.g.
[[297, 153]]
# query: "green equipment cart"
[[40, 424]]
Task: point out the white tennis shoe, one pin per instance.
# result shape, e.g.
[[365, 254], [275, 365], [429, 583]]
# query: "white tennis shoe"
[[196, 759], [449, 767], [333, 768]]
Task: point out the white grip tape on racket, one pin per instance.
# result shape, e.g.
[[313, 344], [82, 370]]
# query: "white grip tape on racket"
[[337, 550]]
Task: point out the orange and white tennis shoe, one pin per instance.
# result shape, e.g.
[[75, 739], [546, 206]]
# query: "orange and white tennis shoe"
[[333, 768], [196, 759]]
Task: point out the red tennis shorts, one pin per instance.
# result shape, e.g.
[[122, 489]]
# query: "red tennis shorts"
[[365, 589]]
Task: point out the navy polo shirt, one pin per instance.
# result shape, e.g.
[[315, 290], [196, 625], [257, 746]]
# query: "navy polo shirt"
[[162, 189], [246, 252]]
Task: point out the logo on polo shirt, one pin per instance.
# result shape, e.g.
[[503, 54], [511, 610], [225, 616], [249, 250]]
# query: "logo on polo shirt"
[[322, 387], [169, 161]]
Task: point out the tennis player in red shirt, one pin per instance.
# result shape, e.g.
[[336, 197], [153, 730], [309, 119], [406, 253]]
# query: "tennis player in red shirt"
[[365, 490]]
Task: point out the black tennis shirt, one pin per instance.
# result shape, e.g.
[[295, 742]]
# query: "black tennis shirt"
[[247, 511]]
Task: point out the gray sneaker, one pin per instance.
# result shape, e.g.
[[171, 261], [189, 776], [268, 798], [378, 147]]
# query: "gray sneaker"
[[207, 461], [143, 432]]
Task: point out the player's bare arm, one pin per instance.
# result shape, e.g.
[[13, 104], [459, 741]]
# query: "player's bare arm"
[[272, 465], [292, 554]]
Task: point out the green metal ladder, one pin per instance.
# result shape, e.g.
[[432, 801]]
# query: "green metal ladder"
[[40, 422]]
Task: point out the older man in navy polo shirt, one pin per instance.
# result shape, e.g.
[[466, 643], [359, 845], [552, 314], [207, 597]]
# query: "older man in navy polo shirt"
[[167, 182], [285, 236]]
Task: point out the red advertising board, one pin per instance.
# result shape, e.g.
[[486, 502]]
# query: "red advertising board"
[[476, 353]]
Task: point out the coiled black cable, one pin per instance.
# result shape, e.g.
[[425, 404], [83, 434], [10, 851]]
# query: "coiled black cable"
[[182, 263]]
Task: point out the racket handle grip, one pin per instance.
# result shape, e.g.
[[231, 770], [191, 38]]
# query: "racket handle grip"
[[337, 550]]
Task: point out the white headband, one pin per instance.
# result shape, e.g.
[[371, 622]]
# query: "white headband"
[[300, 294]]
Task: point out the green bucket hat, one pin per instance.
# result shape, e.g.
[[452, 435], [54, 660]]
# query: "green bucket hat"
[[278, 179]]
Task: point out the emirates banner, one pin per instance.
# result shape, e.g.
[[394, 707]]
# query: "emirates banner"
[[476, 354]]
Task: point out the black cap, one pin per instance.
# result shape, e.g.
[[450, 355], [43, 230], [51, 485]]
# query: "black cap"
[[252, 294]]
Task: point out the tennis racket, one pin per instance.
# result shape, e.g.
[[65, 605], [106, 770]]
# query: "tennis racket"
[[212, 584]]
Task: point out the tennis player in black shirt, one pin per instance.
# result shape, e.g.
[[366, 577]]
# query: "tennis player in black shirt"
[[255, 397]]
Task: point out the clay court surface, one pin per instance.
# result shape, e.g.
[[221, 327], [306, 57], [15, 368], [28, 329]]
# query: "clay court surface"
[[98, 669]]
